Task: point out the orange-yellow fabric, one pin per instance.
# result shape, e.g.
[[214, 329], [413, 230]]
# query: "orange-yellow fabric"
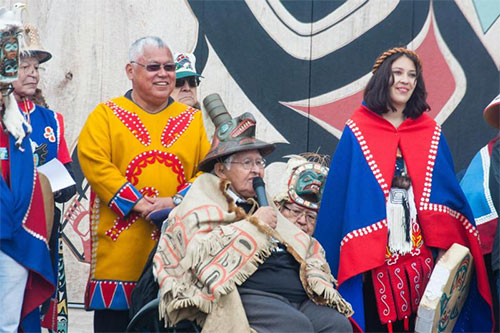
[[125, 153]]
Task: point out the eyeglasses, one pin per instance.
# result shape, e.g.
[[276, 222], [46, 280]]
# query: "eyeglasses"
[[248, 164], [6, 90], [192, 82], [168, 66], [30, 68], [296, 213]]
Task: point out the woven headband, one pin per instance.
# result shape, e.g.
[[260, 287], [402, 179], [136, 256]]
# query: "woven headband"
[[392, 51]]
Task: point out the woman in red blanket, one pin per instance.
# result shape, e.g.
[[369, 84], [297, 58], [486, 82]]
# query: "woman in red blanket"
[[392, 204]]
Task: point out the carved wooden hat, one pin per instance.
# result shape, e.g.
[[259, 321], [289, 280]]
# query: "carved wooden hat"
[[232, 135]]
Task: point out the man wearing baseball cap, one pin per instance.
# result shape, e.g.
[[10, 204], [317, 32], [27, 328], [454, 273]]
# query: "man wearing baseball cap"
[[186, 80]]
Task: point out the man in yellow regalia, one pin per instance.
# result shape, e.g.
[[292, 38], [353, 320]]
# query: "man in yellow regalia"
[[140, 153]]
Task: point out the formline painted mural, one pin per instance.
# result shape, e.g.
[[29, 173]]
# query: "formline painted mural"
[[298, 66]]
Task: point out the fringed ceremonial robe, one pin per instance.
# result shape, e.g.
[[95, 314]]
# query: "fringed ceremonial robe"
[[126, 153], [352, 222], [23, 231], [211, 245]]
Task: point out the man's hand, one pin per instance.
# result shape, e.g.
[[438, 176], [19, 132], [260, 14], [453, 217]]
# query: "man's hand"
[[160, 203], [146, 205], [143, 205], [267, 215]]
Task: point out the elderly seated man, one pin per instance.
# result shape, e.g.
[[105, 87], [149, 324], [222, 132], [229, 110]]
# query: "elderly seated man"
[[231, 265]]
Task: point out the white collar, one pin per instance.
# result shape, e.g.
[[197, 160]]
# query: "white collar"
[[234, 196]]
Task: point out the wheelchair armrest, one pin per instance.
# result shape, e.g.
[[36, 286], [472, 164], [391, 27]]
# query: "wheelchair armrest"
[[151, 306]]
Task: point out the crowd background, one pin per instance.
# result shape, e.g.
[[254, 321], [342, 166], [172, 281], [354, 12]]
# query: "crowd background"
[[299, 67]]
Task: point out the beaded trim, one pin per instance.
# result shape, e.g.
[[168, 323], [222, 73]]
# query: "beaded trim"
[[485, 165], [453, 213], [135, 167], [132, 122], [123, 201], [176, 126], [31, 198], [25, 227], [369, 157], [426, 194], [124, 285], [36, 235], [94, 223], [58, 132], [382, 225], [121, 224], [132, 173]]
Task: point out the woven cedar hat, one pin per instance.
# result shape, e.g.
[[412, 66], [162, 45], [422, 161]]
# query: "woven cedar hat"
[[32, 46], [492, 112], [185, 65], [232, 135]]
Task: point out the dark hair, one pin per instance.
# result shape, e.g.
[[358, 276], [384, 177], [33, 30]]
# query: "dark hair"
[[376, 94]]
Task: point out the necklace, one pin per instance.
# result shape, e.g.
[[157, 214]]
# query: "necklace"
[[26, 112]]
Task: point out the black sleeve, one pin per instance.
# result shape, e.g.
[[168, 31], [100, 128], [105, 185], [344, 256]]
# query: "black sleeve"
[[494, 180], [66, 193]]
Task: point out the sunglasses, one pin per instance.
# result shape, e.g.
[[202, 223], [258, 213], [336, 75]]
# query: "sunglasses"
[[169, 66], [192, 82]]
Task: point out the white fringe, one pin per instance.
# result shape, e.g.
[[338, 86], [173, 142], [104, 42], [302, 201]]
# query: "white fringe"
[[396, 221]]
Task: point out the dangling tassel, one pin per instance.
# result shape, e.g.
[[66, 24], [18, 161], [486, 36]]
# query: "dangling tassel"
[[399, 221], [406, 208], [407, 324], [389, 326]]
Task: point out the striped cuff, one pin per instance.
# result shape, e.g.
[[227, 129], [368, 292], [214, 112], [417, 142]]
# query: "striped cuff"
[[124, 200]]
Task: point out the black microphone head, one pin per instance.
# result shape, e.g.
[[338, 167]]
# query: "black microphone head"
[[257, 182]]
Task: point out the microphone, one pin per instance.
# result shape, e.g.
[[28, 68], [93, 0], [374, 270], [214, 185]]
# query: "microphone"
[[260, 190]]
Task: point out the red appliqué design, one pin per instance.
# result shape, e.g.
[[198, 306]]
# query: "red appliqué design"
[[49, 134], [132, 122], [417, 241], [176, 126], [132, 173], [121, 224], [134, 169]]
